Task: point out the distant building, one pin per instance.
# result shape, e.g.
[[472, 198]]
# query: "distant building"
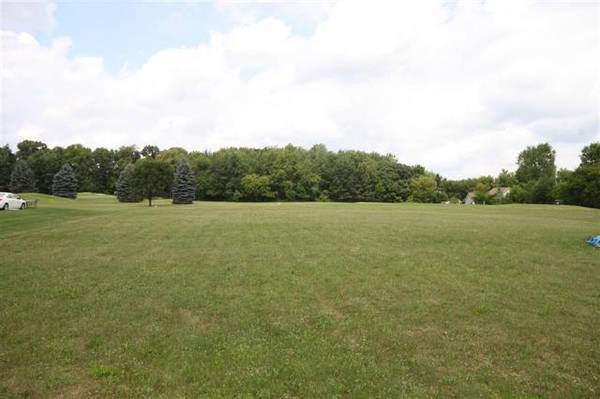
[[470, 198], [498, 192]]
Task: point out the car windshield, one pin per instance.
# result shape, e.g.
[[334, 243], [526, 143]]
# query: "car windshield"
[[3, 195]]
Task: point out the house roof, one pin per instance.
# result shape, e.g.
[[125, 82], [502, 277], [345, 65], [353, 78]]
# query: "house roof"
[[499, 190]]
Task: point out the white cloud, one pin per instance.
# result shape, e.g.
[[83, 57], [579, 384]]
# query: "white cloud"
[[27, 16], [298, 13], [459, 89]]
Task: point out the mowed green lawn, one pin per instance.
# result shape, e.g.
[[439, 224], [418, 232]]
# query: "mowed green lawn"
[[100, 299]]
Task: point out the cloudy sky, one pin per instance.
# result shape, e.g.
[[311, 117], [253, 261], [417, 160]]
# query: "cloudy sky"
[[459, 87]]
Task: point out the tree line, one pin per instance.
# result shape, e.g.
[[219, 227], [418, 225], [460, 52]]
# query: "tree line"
[[290, 173]]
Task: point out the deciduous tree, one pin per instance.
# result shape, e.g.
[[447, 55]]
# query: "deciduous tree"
[[536, 162], [152, 177]]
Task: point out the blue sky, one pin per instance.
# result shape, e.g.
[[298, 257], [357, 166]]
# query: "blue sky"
[[459, 87], [129, 32]]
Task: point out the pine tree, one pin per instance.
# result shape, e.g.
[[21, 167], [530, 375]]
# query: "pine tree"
[[65, 183], [184, 190], [22, 179], [126, 190]]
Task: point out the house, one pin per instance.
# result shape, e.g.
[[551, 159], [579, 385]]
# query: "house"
[[470, 198], [500, 192], [497, 192]]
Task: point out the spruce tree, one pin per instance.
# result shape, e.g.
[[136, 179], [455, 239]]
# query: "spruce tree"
[[126, 190], [22, 179], [65, 183], [184, 190]]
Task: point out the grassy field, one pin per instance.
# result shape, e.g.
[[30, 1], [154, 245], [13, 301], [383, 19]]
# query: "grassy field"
[[100, 299]]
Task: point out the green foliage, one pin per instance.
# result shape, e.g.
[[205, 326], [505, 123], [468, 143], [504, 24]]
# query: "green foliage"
[[65, 183], [582, 186], [542, 191], [27, 148], [563, 177], [45, 164], [125, 187], [295, 174], [505, 179], [152, 178], [127, 154], [172, 156], [481, 196], [150, 151], [104, 171], [590, 155], [460, 188], [22, 179], [83, 163], [424, 188], [522, 193], [184, 185], [7, 161], [536, 162], [256, 188]]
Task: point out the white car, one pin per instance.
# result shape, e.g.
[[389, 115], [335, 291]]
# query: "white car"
[[11, 201]]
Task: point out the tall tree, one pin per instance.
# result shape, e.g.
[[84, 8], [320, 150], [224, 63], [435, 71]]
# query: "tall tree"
[[105, 171], [125, 186], [172, 156], [22, 179], [7, 161], [125, 155], [27, 148], [150, 151], [83, 163], [536, 162], [582, 187], [152, 177], [45, 164], [590, 155], [505, 179], [423, 188], [65, 182], [184, 185]]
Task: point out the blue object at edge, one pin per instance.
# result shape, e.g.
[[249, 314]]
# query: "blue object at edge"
[[594, 241]]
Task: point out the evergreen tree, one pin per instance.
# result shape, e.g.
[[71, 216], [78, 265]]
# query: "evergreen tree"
[[184, 186], [126, 190], [22, 179], [65, 182], [7, 161]]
